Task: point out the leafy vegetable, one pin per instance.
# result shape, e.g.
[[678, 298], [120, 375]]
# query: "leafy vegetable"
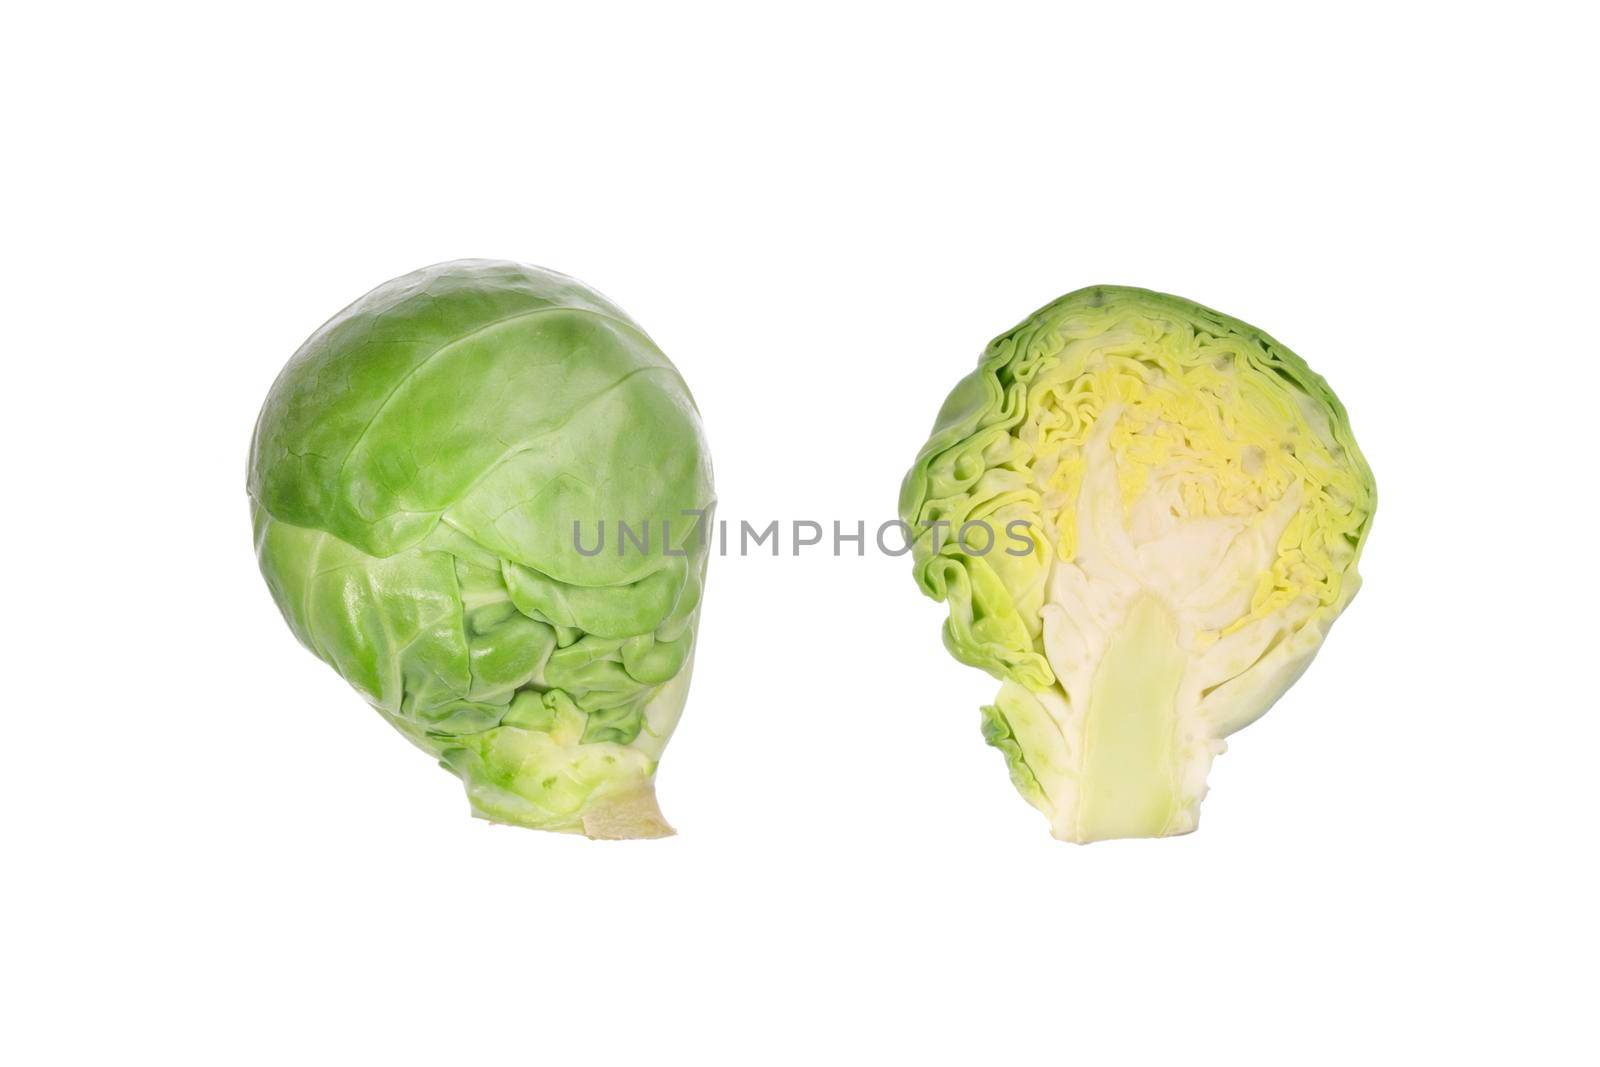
[[429, 478], [1177, 506]]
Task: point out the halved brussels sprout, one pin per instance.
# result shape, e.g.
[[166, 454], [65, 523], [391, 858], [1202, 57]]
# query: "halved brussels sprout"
[[1176, 506]]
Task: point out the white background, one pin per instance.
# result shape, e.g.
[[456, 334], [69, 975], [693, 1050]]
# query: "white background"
[[215, 854]]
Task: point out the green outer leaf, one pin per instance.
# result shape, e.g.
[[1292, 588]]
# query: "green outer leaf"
[[491, 394]]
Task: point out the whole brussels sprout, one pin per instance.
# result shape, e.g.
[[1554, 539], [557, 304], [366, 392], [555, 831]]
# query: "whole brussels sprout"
[[429, 477]]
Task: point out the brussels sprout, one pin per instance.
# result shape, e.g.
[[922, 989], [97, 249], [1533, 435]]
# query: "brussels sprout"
[[1178, 506], [429, 478]]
